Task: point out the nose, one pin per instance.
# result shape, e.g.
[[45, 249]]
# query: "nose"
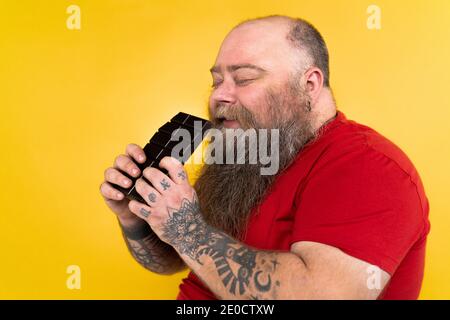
[[224, 94]]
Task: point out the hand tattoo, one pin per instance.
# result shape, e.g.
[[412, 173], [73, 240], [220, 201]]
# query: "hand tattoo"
[[165, 184], [182, 175], [152, 197], [184, 228], [145, 213]]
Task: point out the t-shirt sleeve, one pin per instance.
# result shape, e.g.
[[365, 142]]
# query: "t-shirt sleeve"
[[363, 203]]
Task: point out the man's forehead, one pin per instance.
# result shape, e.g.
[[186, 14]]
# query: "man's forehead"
[[259, 44]]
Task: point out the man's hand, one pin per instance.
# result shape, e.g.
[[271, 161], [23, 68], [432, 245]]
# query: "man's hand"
[[165, 195], [115, 199], [144, 245]]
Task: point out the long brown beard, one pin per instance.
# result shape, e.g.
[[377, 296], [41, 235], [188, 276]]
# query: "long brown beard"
[[229, 192]]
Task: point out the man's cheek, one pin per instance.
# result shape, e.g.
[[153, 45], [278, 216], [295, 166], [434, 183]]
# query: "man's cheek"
[[256, 105]]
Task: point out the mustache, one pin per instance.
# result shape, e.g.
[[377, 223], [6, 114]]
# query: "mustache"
[[237, 112]]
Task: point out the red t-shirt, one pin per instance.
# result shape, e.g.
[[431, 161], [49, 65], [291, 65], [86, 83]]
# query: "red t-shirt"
[[352, 189]]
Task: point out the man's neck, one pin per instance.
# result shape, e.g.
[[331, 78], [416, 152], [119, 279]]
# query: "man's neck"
[[324, 110]]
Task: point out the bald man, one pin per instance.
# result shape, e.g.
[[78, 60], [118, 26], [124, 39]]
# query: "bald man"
[[345, 216]]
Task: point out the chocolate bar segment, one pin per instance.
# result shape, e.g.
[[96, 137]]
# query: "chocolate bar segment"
[[180, 118]]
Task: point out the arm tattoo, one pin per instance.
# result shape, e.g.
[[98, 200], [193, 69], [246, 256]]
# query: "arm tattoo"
[[242, 270], [141, 251], [150, 252], [165, 184]]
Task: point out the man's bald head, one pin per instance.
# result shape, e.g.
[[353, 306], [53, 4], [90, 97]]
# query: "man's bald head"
[[270, 54], [302, 36]]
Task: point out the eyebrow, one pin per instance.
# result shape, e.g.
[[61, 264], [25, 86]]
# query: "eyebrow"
[[234, 67]]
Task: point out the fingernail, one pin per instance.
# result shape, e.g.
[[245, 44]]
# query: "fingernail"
[[141, 158], [135, 171], [119, 195], [126, 182]]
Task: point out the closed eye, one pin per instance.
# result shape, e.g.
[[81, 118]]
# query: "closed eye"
[[243, 82], [215, 84], [239, 82]]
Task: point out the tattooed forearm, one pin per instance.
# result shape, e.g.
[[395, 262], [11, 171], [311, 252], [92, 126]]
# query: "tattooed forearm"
[[152, 253], [243, 271], [141, 251]]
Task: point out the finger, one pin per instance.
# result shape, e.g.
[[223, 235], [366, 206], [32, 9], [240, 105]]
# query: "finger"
[[110, 193], [150, 194], [159, 180], [114, 176], [175, 169], [141, 210], [136, 152], [127, 165]]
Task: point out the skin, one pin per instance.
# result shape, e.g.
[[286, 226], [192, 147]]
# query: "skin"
[[233, 270]]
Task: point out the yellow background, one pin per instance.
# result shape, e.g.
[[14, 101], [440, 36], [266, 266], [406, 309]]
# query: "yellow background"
[[72, 99]]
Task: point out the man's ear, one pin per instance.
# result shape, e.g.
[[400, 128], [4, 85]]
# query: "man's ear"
[[313, 83]]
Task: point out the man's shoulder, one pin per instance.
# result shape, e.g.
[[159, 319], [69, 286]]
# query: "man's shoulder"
[[381, 148], [350, 151], [360, 142]]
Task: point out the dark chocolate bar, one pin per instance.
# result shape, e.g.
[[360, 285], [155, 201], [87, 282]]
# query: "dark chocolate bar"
[[162, 143]]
